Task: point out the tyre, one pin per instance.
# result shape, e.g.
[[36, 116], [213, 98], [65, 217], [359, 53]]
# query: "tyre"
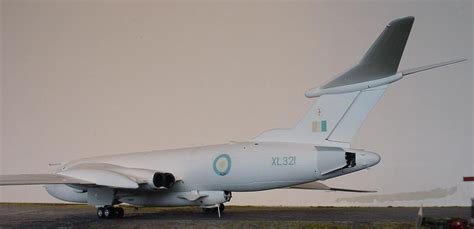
[[109, 212], [100, 213], [119, 212]]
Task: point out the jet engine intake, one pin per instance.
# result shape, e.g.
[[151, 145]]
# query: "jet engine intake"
[[227, 195], [166, 180]]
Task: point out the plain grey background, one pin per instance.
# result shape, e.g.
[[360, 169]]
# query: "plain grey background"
[[86, 78]]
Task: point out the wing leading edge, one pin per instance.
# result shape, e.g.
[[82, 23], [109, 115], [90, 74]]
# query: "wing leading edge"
[[89, 175], [35, 179]]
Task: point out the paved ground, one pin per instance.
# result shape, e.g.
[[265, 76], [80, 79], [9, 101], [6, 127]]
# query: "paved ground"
[[44, 215]]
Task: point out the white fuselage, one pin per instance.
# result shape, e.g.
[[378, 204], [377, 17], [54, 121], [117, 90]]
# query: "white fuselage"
[[229, 167]]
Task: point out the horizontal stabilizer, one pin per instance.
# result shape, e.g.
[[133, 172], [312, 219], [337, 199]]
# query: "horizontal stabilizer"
[[428, 67], [344, 102], [320, 186], [34, 179], [377, 67]]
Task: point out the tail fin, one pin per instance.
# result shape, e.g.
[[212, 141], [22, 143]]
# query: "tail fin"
[[345, 101], [385, 54], [331, 120]]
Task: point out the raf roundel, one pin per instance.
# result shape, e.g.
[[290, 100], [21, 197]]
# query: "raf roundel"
[[222, 164]]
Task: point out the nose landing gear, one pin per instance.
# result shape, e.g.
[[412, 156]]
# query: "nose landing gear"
[[109, 212], [219, 209]]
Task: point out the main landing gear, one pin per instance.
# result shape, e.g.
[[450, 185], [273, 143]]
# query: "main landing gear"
[[109, 212], [212, 210]]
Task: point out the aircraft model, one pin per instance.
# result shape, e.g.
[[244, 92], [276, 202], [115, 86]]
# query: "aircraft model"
[[317, 148]]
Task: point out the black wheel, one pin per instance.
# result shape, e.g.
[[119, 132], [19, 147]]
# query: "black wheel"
[[109, 212], [119, 212], [214, 210], [100, 213]]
